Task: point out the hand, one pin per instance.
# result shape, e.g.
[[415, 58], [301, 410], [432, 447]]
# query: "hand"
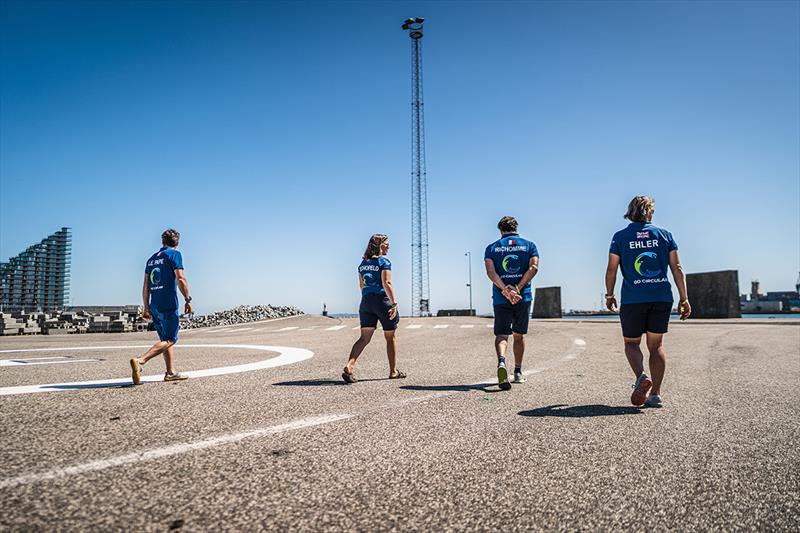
[[611, 304], [510, 293], [146, 314], [685, 309], [393, 312], [187, 308]]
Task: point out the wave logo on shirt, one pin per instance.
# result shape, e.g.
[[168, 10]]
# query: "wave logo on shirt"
[[368, 278], [644, 260], [155, 276], [511, 269]]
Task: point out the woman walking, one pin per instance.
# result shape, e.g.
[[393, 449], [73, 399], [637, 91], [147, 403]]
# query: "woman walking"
[[645, 253], [378, 304]]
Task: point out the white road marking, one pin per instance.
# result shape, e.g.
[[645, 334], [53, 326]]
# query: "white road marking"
[[238, 329], [440, 326], [167, 451], [413, 326], [288, 328], [335, 328], [286, 356], [579, 342], [35, 361], [357, 327], [464, 326], [489, 325]]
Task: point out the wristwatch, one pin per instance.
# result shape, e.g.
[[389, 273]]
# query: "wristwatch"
[[189, 299]]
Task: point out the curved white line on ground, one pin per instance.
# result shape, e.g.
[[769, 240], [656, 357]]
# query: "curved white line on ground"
[[287, 355]]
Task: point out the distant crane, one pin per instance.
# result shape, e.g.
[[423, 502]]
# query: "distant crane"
[[420, 274]]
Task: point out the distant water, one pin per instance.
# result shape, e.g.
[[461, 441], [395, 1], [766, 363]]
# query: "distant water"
[[782, 316]]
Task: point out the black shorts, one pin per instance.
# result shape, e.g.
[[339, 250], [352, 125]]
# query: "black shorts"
[[639, 318], [375, 307], [512, 318]]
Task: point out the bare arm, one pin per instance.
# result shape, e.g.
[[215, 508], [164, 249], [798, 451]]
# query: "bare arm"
[[386, 280], [533, 269], [684, 308], [360, 282], [492, 274], [611, 281], [183, 285], [145, 299]]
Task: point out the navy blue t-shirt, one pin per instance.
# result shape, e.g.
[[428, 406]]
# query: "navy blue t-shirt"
[[644, 260], [160, 271], [511, 255], [370, 272]]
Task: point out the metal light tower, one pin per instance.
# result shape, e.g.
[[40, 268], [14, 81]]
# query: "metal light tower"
[[420, 282]]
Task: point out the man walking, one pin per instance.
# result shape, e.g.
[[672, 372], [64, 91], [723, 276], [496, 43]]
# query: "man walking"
[[511, 263], [163, 275], [644, 252]]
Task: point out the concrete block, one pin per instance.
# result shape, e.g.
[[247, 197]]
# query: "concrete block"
[[714, 294], [547, 302]]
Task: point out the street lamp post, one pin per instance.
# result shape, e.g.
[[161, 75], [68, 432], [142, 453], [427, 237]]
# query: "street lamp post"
[[469, 264]]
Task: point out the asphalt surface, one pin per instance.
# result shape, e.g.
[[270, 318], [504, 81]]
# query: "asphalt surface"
[[292, 448]]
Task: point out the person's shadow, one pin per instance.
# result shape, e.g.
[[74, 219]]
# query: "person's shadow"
[[483, 387], [581, 411], [323, 382]]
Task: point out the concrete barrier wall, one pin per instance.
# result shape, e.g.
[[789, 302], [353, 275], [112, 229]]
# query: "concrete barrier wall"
[[547, 303], [714, 294]]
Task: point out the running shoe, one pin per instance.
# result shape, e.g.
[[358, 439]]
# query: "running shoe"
[[519, 378], [136, 371], [177, 376], [640, 390], [502, 377], [654, 400], [348, 377]]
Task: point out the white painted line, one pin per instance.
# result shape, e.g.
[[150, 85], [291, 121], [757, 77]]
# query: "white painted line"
[[357, 327], [168, 451], [29, 362], [286, 356], [465, 326], [238, 329], [335, 328], [288, 328], [489, 325], [441, 326], [413, 326], [579, 342]]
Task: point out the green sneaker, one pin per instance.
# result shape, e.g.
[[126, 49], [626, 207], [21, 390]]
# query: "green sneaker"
[[502, 377]]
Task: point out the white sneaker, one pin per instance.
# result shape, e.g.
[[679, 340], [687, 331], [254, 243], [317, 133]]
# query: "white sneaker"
[[519, 378], [177, 376]]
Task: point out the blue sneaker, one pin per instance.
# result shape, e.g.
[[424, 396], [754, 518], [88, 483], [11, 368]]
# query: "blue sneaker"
[[654, 400]]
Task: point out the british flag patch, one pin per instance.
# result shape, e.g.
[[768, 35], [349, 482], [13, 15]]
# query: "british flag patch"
[[642, 234]]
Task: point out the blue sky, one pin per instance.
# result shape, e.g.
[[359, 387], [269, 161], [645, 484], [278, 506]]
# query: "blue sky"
[[276, 138]]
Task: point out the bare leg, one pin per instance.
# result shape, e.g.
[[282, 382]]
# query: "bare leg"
[[391, 350], [155, 350], [634, 354], [358, 347], [169, 360], [500, 345], [658, 360], [519, 349]]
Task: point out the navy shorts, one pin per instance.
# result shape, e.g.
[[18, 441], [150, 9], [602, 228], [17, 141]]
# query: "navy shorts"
[[167, 324], [639, 318], [510, 319], [375, 307]]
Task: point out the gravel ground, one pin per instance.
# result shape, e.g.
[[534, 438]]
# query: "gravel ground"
[[443, 450]]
